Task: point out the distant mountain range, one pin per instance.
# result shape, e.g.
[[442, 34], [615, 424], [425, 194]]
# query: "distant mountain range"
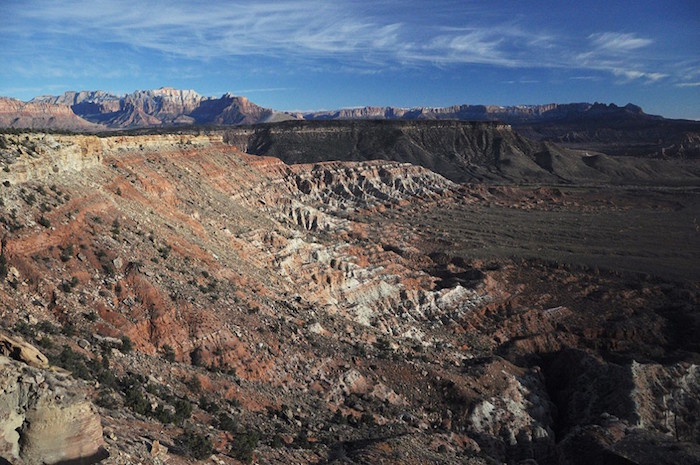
[[617, 130]]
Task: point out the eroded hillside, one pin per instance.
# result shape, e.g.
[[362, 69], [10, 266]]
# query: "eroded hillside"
[[220, 302], [462, 151]]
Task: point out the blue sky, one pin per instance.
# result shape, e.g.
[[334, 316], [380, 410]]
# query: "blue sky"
[[314, 54]]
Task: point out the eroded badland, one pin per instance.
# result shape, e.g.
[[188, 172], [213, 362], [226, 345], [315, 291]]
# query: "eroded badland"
[[193, 299]]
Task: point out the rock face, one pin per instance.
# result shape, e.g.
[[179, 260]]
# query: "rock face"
[[45, 417], [40, 115], [22, 352], [461, 151], [609, 128], [150, 108], [511, 115]]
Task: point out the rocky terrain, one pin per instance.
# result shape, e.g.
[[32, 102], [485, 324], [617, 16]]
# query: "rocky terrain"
[[459, 150], [606, 128], [148, 108], [611, 129], [221, 306]]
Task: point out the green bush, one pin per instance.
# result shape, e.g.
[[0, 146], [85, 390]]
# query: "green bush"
[[163, 415], [244, 445], [68, 329], [73, 362], [168, 353], [67, 253], [44, 221], [183, 410], [197, 445], [127, 345], [194, 384], [3, 266], [196, 357], [47, 327], [136, 402], [226, 423], [208, 405]]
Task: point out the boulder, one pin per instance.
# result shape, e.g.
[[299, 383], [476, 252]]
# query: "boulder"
[[46, 418], [22, 351]]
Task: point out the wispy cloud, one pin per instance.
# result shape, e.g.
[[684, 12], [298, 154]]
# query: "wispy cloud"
[[301, 30], [312, 34], [688, 84], [620, 54], [634, 74], [618, 41]]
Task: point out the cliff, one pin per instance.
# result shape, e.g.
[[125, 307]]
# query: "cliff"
[[45, 416], [39, 115], [461, 151]]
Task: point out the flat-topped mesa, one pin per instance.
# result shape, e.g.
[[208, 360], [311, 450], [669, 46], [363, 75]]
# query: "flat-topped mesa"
[[458, 150], [518, 114]]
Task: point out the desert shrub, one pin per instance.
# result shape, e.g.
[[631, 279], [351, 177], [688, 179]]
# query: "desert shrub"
[[194, 384], [68, 329], [44, 221], [277, 441], [67, 253], [208, 405], [163, 415], [197, 445], [3, 266], [24, 328], [196, 357], [45, 343], [47, 327], [135, 400], [102, 373], [73, 362], [168, 353], [244, 445], [164, 251], [227, 423], [127, 345], [367, 419], [105, 399], [183, 410], [302, 439], [116, 230]]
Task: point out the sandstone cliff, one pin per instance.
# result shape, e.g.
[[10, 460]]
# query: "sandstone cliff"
[[45, 417], [151, 108], [40, 115]]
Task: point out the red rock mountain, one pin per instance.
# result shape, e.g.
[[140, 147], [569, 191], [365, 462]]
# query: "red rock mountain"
[[40, 115], [143, 108]]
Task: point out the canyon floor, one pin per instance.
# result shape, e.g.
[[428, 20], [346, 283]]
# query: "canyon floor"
[[209, 305]]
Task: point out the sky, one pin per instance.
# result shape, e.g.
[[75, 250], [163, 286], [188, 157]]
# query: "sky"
[[315, 54]]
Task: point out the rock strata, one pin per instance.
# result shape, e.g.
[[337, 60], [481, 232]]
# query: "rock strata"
[[45, 417]]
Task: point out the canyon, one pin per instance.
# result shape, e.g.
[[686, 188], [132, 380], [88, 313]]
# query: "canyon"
[[608, 128], [344, 292]]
